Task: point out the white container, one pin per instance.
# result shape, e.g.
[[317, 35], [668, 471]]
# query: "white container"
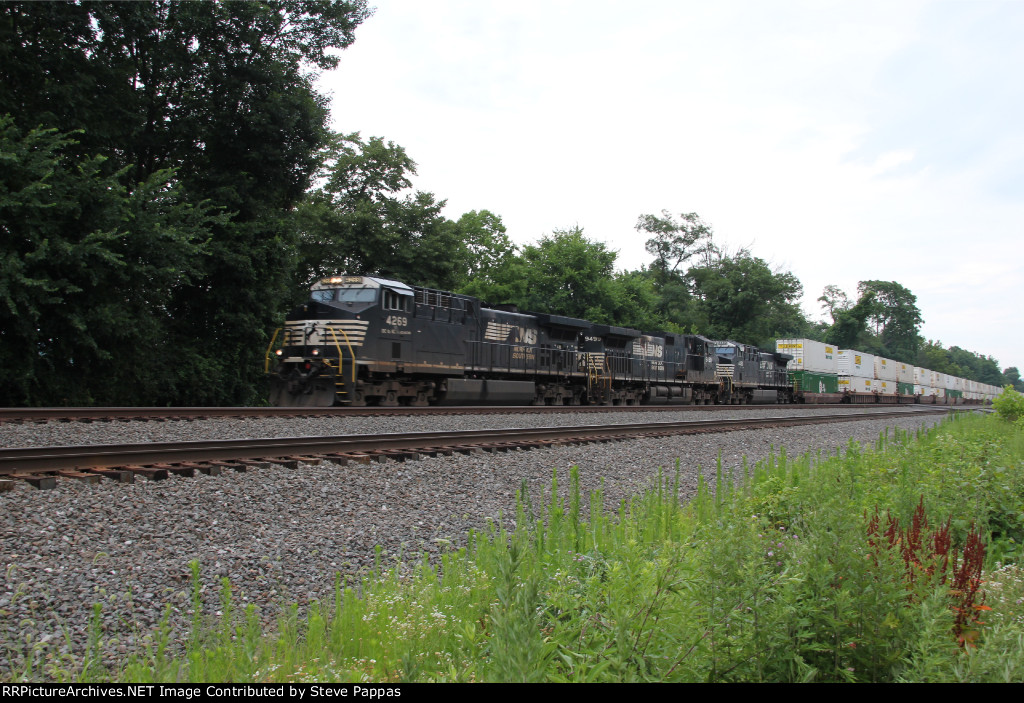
[[922, 390], [855, 384], [887, 387], [922, 376], [886, 369], [851, 362], [905, 372], [809, 355]]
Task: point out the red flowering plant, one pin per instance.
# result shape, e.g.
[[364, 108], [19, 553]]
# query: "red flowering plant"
[[928, 557]]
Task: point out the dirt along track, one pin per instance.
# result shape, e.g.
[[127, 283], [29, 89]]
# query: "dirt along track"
[[280, 535]]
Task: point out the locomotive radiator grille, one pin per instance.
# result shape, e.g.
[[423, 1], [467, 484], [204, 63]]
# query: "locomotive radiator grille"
[[319, 333]]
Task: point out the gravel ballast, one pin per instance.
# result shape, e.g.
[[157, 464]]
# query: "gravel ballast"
[[280, 535], [118, 432]]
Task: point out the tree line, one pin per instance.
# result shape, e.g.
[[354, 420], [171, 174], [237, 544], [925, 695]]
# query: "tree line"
[[170, 187]]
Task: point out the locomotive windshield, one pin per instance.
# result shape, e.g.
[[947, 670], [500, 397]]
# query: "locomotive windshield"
[[346, 295], [725, 351]]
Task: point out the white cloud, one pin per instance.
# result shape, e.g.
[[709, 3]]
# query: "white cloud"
[[847, 141]]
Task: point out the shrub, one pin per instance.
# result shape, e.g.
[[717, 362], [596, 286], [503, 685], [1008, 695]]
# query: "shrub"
[[1009, 404]]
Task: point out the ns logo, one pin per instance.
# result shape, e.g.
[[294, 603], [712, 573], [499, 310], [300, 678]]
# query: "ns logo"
[[510, 334]]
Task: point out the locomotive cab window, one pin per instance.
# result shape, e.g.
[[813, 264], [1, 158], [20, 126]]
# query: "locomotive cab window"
[[356, 295], [325, 295], [395, 301]]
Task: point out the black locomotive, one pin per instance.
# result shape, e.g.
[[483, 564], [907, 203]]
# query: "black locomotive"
[[361, 340]]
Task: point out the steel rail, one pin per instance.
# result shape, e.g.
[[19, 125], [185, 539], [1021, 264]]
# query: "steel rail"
[[186, 413], [19, 460]]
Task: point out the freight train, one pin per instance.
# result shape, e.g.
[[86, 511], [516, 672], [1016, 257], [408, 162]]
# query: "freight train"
[[364, 340], [821, 373]]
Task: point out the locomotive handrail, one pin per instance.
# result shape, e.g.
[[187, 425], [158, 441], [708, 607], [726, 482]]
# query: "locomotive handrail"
[[351, 351], [266, 358]]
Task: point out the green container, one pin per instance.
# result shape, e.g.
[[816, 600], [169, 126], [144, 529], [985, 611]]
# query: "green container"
[[811, 382], [955, 394], [905, 388]]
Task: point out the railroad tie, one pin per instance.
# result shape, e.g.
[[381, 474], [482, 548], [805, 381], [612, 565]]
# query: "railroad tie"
[[294, 461], [119, 475], [184, 469], [85, 476], [243, 464], [205, 468], [40, 481], [148, 471]]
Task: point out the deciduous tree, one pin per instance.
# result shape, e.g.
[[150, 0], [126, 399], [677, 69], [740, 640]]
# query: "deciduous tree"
[[221, 96], [742, 298]]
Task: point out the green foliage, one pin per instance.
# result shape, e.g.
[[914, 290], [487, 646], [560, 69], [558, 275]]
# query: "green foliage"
[[962, 363], [835, 301], [363, 220], [885, 320], [896, 318], [487, 246], [1009, 404], [740, 297], [567, 274], [1012, 376], [87, 274], [849, 331], [673, 242], [191, 109]]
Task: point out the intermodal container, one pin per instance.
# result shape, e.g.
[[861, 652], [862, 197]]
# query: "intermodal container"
[[812, 382], [854, 363], [886, 369], [855, 384], [809, 355], [905, 372], [886, 387]]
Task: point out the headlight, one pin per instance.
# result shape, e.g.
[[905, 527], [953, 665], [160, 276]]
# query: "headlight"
[[280, 352], [316, 352]]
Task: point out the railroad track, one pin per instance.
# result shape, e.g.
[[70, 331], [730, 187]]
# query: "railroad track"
[[159, 414], [41, 466]]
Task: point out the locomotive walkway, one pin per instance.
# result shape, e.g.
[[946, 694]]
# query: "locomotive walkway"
[[41, 466]]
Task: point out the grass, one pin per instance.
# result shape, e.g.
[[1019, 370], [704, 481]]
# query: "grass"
[[897, 562]]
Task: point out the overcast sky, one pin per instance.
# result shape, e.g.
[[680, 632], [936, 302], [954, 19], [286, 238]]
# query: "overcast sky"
[[843, 141]]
